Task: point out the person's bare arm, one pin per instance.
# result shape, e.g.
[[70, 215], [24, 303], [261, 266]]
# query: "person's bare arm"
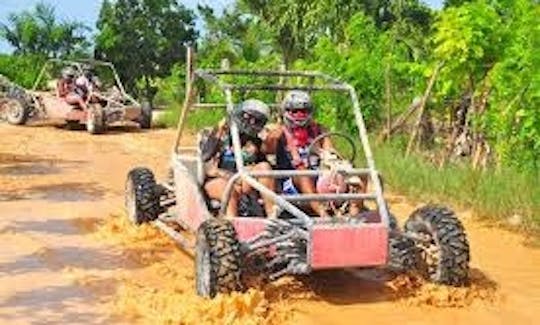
[[271, 139], [211, 165]]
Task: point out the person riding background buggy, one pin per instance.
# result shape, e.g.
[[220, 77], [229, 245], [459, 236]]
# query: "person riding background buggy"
[[74, 87], [250, 116]]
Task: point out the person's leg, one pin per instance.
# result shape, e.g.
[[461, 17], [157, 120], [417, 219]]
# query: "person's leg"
[[306, 185], [216, 187], [267, 182]]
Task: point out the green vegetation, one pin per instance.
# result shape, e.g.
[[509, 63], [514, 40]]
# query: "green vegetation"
[[491, 194], [38, 32], [144, 39], [23, 70], [451, 97]]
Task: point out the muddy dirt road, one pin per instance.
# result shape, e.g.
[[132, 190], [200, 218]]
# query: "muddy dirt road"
[[68, 256]]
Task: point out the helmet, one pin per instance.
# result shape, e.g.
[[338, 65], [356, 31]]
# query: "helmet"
[[297, 108], [251, 115], [68, 73]]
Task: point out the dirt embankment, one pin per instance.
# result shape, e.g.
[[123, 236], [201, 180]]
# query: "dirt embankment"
[[68, 256]]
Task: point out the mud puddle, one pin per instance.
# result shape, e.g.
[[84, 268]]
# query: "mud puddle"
[[163, 291], [68, 256]]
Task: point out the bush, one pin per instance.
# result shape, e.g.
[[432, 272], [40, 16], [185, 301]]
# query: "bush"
[[22, 70]]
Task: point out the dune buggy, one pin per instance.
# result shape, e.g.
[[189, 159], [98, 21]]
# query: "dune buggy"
[[292, 241], [104, 106]]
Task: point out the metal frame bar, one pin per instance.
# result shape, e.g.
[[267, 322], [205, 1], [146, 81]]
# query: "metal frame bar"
[[282, 87]]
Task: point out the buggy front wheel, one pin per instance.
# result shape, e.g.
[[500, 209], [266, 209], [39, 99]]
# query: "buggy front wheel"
[[218, 261]]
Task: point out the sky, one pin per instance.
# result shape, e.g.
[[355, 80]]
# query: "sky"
[[88, 10]]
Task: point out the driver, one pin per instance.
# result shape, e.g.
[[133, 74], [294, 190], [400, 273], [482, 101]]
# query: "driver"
[[291, 143], [250, 117]]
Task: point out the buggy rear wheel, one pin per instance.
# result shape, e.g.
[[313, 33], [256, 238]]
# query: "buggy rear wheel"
[[442, 245], [17, 111], [218, 259], [145, 120], [141, 195], [95, 119], [402, 256]]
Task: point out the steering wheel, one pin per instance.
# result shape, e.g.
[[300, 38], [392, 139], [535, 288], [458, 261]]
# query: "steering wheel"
[[311, 147]]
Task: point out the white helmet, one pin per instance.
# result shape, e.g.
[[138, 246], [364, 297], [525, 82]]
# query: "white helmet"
[[297, 108]]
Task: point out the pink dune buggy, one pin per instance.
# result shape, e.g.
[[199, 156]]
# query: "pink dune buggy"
[[104, 106], [293, 242]]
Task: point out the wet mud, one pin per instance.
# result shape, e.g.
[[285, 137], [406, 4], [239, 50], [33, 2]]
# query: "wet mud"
[[70, 256]]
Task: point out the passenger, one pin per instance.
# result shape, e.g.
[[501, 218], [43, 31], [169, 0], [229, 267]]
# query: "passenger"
[[250, 117], [68, 89]]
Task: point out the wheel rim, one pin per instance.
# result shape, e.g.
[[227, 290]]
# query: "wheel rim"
[[15, 110], [430, 253], [131, 202]]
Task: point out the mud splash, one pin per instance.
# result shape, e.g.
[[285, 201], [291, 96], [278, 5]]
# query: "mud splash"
[[162, 292], [413, 290]]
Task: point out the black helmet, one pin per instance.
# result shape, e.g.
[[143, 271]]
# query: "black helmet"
[[297, 108], [251, 115]]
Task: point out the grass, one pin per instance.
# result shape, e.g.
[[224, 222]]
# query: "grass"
[[497, 195], [195, 120]]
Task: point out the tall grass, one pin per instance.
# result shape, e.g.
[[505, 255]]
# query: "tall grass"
[[494, 194], [196, 120]]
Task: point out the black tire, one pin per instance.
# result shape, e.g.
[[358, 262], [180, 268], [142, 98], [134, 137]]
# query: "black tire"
[[218, 259], [145, 120], [74, 125], [17, 111], [95, 119], [142, 197], [402, 256], [445, 235]]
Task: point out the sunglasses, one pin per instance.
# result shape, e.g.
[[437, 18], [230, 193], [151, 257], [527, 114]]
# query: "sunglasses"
[[298, 110], [253, 119]]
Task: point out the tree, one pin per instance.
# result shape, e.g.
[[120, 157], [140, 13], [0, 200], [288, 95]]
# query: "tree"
[[38, 32], [144, 39], [235, 35]]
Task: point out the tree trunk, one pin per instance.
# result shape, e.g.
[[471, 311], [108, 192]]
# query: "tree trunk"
[[149, 91], [422, 107], [400, 121], [458, 123], [388, 96], [479, 144]]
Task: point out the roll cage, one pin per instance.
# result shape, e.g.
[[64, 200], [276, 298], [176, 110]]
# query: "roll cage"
[[317, 81], [80, 65]]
